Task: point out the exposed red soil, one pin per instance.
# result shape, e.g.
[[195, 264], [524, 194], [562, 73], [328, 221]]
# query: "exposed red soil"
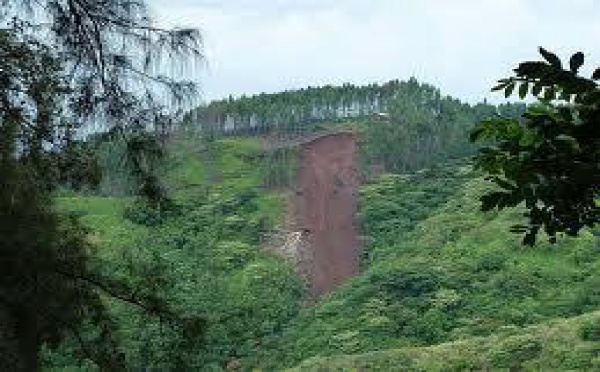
[[325, 210]]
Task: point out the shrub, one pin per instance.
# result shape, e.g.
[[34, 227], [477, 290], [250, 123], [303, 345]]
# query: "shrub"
[[514, 351], [411, 282], [142, 213], [590, 330]]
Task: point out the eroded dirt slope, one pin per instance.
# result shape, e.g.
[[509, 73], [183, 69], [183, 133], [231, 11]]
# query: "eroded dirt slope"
[[325, 210]]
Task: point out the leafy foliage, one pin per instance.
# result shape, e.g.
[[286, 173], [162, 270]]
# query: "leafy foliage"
[[61, 70], [450, 273], [549, 160], [549, 346], [144, 214], [206, 261], [303, 111], [423, 129], [393, 206], [590, 330]]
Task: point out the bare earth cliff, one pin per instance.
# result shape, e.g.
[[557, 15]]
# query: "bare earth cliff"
[[325, 210]]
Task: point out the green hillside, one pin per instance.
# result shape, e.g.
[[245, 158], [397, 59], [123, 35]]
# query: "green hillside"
[[435, 269], [339, 225], [442, 282], [438, 270], [558, 345], [206, 259]]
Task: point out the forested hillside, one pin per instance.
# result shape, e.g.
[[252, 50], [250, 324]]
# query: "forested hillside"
[[205, 257], [407, 125], [441, 282], [436, 269], [299, 111], [558, 345]]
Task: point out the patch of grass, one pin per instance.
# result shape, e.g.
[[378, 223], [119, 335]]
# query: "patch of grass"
[[195, 164], [110, 232]]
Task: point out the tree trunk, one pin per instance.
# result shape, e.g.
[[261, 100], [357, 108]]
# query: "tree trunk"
[[18, 340]]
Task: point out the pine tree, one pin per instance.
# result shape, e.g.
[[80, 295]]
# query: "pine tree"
[[64, 65]]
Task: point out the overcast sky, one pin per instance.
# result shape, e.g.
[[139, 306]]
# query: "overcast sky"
[[461, 46]]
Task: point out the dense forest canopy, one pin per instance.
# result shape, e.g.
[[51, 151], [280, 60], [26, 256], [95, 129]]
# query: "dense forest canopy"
[[405, 125], [299, 110]]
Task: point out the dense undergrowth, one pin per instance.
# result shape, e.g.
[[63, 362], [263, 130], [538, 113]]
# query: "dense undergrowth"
[[206, 259], [557, 345], [436, 275], [436, 270]]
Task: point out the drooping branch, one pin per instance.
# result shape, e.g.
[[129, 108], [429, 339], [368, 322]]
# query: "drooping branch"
[[114, 293]]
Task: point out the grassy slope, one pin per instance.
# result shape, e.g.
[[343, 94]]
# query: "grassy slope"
[[551, 346], [192, 172], [195, 169], [104, 217]]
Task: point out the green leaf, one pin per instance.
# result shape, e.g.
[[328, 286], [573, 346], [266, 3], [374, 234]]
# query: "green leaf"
[[532, 69], [509, 89], [576, 61], [551, 58], [523, 89], [537, 89], [596, 74]]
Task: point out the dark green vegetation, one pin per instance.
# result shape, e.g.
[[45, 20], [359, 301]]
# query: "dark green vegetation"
[[550, 159], [422, 128], [60, 73], [43, 255], [315, 108], [406, 125]]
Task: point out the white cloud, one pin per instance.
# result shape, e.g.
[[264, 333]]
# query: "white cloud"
[[462, 46]]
